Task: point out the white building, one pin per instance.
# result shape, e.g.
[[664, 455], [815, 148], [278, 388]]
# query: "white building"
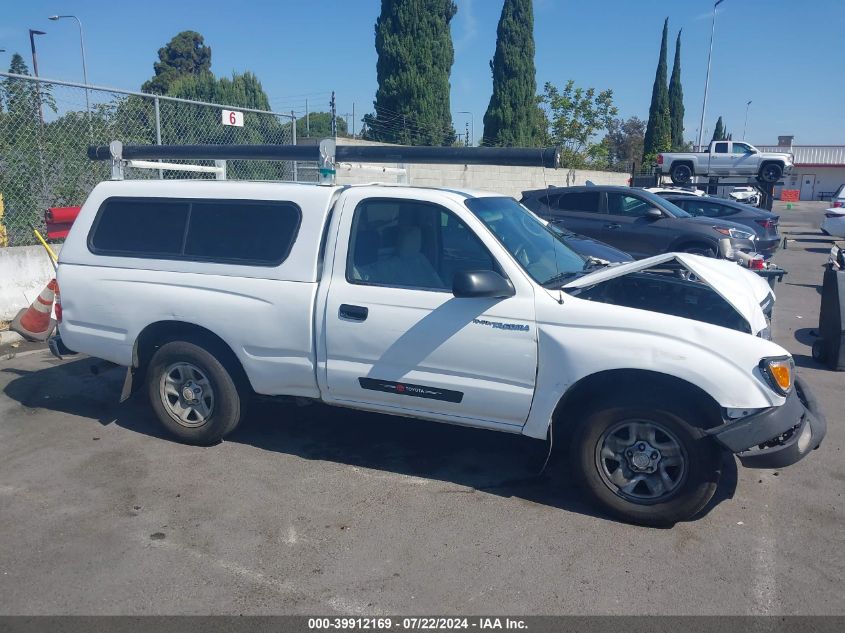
[[819, 169]]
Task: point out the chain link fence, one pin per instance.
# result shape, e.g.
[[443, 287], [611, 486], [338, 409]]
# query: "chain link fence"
[[46, 127]]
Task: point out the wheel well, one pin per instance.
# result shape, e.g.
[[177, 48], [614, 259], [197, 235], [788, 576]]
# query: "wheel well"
[[689, 242], [619, 383], [689, 163], [157, 334]]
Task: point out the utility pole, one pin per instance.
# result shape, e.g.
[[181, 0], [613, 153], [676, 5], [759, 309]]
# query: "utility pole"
[[32, 34], [334, 116], [466, 138], [307, 121], [353, 119], [745, 127], [707, 80]]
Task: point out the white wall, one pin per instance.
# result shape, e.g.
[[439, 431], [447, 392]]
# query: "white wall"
[[826, 179], [24, 271], [511, 181]]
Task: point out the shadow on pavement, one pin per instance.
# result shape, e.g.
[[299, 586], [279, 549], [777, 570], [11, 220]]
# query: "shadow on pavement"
[[489, 461]]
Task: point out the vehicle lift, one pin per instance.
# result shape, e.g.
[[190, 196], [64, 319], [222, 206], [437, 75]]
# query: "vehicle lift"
[[709, 185]]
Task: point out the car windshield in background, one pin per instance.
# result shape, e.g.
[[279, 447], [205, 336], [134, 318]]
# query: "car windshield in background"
[[663, 203], [536, 246]]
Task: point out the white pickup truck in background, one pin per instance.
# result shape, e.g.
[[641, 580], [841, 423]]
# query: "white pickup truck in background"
[[454, 306], [725, 158]]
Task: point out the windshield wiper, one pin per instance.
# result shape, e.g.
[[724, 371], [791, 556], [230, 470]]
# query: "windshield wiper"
[[595, 262], [560, 277]]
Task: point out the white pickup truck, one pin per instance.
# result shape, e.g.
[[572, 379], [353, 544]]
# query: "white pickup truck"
[[725, 158], [455, 306]]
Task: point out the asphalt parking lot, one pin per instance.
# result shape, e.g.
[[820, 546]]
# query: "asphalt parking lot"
[[324, 511]]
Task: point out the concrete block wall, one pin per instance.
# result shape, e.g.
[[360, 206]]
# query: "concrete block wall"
[[510, 181], [24, 271]]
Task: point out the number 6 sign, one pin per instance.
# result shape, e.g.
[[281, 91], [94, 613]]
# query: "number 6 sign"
[[233, 117]]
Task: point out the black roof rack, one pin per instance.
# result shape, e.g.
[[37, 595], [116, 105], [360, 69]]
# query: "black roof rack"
[[327, 154]]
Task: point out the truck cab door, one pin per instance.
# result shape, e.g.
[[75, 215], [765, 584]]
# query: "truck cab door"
[[721, 160], [743, 159], [393, 338]]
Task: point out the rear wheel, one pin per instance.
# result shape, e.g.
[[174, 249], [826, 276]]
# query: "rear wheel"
[[771, 172], [681, 174], [643, 464], [193, 394]]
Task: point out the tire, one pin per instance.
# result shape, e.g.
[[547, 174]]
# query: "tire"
[[218, 402], [605, 451], [819, 351], [770, 172], [681, 174]]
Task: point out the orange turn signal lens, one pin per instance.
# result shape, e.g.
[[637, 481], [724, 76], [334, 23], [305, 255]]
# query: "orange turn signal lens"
[[779, 372]]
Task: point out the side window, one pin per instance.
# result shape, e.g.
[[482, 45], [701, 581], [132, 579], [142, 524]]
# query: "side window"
[[584, 201], [411, 244], [248, 232], [741, 148], [721, 148], [149, 228], [629, 206], [241, 231]]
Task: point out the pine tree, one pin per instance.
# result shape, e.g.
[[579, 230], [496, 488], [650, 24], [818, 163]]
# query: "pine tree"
[[719, 131], [511, 118], [658, 134], [415, 56], [676, 100], [185, 54]]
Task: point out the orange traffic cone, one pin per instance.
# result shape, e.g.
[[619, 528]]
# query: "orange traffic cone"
[[34, 323]]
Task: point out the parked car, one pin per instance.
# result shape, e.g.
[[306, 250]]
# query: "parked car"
[[446, 305], [837, 201], [749, 195], [834, 222], [763, 223], [681, 191], [587, 247], [725, 158], [637, 221]]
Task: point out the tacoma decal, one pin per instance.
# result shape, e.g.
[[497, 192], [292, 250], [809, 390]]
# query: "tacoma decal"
[[497, 325], [405, 389]]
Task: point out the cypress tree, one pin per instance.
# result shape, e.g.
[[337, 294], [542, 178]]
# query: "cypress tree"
[[511, 118], [415, 56], [676, 100], [658, 134], [719, 131]]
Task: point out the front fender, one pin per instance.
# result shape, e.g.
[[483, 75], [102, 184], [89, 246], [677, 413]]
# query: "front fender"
[[581, 338]]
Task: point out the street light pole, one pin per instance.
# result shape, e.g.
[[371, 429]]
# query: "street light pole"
[[745, 127], [707, 80], [32, 34], [471, 124], [84, 66]]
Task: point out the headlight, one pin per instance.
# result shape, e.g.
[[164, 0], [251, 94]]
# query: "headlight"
[[734, 233], [779, 371]]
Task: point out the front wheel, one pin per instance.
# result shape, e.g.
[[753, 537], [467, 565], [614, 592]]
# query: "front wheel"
[[771, 172], [193, 394], [705, 251], [643, 465]]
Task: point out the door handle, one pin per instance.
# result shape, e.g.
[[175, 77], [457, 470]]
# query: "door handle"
[[353, 313], [613, 225]]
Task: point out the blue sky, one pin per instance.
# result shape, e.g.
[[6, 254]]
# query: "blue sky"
[[781, 54]]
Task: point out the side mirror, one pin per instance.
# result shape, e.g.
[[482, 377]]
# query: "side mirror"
[[481, 283], [654, 214]]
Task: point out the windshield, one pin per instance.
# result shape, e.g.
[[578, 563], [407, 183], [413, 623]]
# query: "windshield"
[[662, 203], [538, 247]]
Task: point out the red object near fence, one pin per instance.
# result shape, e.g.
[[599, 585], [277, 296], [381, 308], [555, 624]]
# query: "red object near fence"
[[59, 220], [790, 195]]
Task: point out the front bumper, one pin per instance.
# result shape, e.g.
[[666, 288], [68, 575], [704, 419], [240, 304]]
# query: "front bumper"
[[779, 436]]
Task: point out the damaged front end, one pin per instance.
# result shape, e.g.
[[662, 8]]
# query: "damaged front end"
[[684, 285]]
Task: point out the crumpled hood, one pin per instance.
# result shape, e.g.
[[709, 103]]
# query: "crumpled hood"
[[741, 288]]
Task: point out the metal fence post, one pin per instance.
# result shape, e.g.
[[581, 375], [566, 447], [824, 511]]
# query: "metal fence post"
[[293, 142], [158, 133]]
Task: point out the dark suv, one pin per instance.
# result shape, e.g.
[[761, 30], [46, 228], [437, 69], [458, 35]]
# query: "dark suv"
[[638, 222]]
